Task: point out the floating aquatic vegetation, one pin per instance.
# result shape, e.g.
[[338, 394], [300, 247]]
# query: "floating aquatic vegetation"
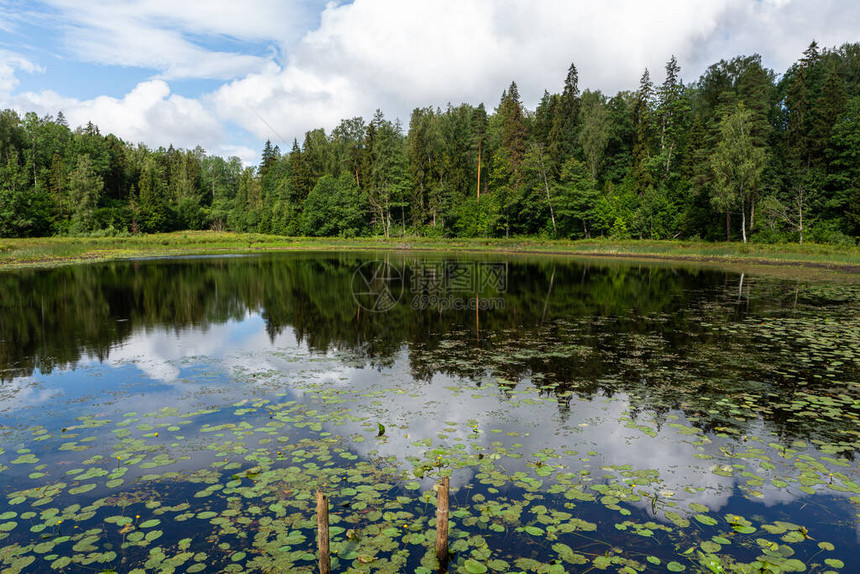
[[251, 507]]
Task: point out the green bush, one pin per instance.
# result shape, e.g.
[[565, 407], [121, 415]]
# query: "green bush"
[[335, 207], [829, 233], [478, 218], [768, 235]]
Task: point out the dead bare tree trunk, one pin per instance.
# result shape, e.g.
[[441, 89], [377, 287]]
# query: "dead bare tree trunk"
[[800, 213], [728, 226], [479, 170], [549, 201], [546, 186], [752, 216]]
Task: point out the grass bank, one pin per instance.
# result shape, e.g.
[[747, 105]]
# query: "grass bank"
[[60, 250]]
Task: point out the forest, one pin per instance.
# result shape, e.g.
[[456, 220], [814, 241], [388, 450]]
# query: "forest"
[[741, 154]]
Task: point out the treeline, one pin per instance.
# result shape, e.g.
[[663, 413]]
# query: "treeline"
[[741, 153]]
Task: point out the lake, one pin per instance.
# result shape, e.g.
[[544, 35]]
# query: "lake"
[[180, 415]]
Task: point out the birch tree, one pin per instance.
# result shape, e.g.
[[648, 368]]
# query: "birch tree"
[[737, 164]]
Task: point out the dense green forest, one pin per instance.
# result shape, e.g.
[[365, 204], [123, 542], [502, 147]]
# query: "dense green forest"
[[740, 154]]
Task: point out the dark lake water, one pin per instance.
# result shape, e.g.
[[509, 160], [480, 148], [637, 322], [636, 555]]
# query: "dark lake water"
[[179, 415]]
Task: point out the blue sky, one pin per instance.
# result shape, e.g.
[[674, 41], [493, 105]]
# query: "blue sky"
[[228, 75]]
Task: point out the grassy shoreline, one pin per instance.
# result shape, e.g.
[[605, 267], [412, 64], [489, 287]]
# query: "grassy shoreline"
[[49, 251]]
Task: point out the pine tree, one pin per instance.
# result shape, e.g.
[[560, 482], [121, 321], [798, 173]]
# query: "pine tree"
[[507, 177], [300, 177], [15, 220], [386, 175], [569, 112], [667, 95], [577, 198], [754, 86], [642, 144], [424, 170], [513, 125], [672, 109], [844, 177], [696, 172], [798, 103], [58, 186], [268, 158], [348, 137], [479, 146], [152, 207], [315, 151], [543, 118], [829, 106], [594, 132], [85, 186]]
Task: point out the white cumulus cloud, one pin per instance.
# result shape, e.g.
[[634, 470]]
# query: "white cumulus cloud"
[[177, 38], [10, 63], [292, 66], [399, 55], [149, 113]]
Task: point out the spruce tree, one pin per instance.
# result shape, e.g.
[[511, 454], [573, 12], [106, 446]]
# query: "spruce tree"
[[300, 177], [642, 142], [672, 110], [829, 106], [267, 158], [513, 125]]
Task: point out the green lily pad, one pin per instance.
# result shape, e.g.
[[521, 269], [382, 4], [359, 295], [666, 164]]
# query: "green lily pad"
[[474, 567]]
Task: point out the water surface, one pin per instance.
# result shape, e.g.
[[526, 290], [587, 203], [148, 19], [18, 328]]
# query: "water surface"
[[179, 414]]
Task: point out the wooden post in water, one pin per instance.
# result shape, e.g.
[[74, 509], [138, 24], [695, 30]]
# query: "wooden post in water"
[[322, 533], [477, 319], [442, 525]]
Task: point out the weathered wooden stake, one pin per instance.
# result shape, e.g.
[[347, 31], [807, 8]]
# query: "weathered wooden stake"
[[442, 524], [477, 319], [322, 533]]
